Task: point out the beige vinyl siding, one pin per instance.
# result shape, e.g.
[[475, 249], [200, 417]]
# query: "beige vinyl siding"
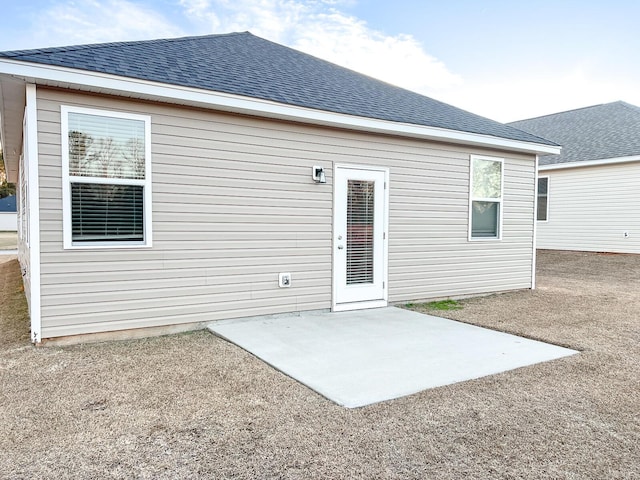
[[234, 204], [429, 254], [590, 209], [226, 220]]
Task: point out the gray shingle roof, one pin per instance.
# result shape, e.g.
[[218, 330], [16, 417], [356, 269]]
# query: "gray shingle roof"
[[610, 130], [243, 64]]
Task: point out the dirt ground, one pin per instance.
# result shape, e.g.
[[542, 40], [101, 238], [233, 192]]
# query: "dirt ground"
[[194, 406]]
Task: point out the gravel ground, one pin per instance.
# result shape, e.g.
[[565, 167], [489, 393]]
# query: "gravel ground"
[[194, 406]]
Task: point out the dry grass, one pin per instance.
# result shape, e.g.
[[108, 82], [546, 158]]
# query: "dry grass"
[[194, 406]]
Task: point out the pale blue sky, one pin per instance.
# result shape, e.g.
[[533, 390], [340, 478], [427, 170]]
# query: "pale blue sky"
[[502, 59]]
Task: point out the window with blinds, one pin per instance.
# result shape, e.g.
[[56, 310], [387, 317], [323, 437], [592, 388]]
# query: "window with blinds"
[[360, 211], [107, 163]]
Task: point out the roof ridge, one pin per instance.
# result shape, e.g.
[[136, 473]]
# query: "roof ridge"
[[630, 106], [86, 46], [567, 111], [544, 140]]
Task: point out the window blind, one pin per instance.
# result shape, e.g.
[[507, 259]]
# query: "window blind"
[[107, 212], [360, 211]]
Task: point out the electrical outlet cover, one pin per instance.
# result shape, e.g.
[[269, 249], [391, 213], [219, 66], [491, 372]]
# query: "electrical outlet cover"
[[284, 280]]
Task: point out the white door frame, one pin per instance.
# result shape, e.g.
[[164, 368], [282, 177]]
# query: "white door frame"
[[383, 217]]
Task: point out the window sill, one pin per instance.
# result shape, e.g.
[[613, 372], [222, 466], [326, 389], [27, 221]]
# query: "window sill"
[[107, 246], [485, 239]]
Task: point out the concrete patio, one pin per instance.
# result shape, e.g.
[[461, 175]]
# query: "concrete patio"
[[362, 357]]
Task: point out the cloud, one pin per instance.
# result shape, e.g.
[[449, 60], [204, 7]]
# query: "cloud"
[[399, 59], [91, 21], [200, 12], [321, 29], [317, 27]]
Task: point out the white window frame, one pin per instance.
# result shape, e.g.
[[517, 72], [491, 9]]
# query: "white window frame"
[[546, 217], [472, 199], [67, 179], [23, 206], [23, 184]]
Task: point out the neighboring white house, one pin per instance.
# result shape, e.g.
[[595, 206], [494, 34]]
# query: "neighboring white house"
[[589, 195], [8, 214], [170, 183]]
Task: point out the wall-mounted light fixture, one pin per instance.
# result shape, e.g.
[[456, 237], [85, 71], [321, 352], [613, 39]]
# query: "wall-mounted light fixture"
[[318, 175]]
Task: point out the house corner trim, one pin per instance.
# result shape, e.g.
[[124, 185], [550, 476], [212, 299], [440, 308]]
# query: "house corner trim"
[[535, 226], [34, 214]]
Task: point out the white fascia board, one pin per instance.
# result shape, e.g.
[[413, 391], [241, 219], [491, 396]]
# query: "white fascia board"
[[589, 163], [113, 84]]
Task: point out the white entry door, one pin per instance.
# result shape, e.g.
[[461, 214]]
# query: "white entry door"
[[359, 243]]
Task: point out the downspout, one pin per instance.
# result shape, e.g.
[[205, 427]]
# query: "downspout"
[[34, 212]]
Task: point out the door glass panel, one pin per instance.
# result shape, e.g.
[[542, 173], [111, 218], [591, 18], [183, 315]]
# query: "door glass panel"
[[360, 205]]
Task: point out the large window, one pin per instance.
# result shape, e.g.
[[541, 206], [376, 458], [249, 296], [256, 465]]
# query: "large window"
[[486, 198], [543, 199], [106, 178]]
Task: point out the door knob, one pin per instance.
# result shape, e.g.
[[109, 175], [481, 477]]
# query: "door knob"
[[340, 247]]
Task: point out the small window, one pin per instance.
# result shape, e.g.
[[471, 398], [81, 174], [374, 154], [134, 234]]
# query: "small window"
[[486, 198], [543, 199], [107, 178]]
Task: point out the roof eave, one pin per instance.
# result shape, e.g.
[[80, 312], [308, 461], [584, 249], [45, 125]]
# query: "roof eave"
[[589, 163], [149, 90], [12, 103]]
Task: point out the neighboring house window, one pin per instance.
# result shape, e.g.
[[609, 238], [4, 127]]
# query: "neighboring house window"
[[106, 178], [543, 199], [486, 198]]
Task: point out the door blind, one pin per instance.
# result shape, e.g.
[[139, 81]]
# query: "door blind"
[[360, 207]]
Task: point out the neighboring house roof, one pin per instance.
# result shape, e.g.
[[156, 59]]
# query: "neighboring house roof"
[[8, 204], [600, 132], [246, 65]]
